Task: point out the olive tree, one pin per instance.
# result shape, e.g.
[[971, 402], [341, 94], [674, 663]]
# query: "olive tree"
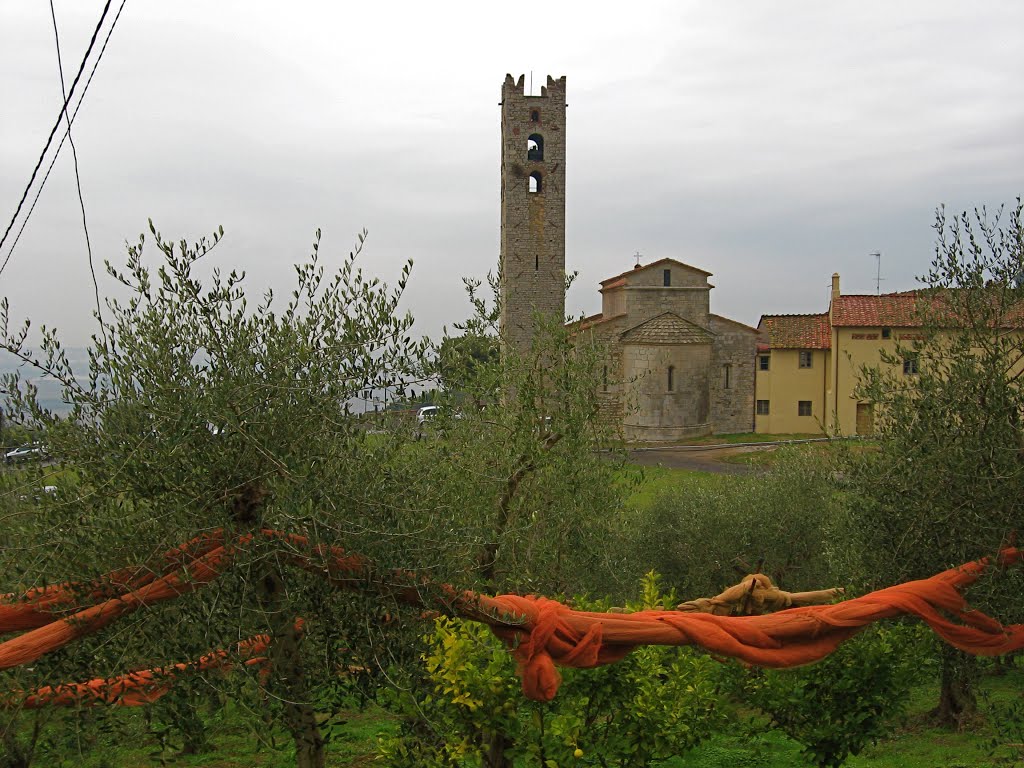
[[202, 410], [205, 410], [533, 470], [944, 485]]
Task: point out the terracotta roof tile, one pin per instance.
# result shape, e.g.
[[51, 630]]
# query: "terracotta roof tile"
[[797, 331], [617, 283], [897, 310], [591, 321], [888, 310], [901, 310]]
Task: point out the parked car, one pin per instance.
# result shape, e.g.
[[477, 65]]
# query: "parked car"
[[426, 413], [25, 453]]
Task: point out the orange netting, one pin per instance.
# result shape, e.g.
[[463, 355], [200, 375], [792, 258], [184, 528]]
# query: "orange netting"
[[37, 606], [143, 686], [555, 634], [540, 632], [37, 642]]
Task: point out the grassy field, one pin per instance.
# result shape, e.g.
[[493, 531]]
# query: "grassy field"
[[748, 437], [652, 482], [769, 455], [124, 741]]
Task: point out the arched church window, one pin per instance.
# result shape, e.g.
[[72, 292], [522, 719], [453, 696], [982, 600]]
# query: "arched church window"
[[535, 183], [535, 147], [671, 378]]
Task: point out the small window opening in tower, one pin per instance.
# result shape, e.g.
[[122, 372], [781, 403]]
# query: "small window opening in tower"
[[536, 262], [535, 182], [667, 275], [671, 378], [727, 375], [535, 116], [535, 147]]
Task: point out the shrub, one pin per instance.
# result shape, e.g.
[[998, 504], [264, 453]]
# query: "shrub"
[[852, 698], [776, 522], [652, 705]]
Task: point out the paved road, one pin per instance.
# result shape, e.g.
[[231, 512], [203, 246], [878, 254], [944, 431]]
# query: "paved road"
[[696, 458]]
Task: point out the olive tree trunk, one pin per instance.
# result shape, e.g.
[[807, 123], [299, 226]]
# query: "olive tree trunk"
[[287, 679], [958, 701]]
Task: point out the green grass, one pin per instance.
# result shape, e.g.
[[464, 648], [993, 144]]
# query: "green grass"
[[739, 437], [654, 481], [747, 437], [122, 740], [770, 455]]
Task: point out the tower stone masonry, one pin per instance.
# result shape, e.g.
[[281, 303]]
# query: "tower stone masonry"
[[532, 208]]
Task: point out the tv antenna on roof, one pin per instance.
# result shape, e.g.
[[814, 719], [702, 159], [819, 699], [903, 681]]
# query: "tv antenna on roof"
[[878, 271]]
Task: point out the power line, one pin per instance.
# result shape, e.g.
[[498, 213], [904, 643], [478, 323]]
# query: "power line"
[[53, 162], [78, 178], [56, 125]]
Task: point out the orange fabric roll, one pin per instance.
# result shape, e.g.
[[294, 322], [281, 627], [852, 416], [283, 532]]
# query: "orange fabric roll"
[[29, 646]]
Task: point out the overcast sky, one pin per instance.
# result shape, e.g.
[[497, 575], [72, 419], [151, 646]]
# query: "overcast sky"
[[770, 143]]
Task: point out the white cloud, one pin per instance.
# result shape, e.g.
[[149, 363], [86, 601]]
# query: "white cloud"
[[770, 143]]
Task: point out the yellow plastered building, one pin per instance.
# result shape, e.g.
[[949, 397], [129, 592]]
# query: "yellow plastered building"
[[808, 366]]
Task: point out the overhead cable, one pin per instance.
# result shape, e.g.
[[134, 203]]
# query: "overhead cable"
[[67, 133], [78, 178], [56, 125]]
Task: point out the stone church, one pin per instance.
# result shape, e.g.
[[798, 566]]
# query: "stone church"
[[673, 369]]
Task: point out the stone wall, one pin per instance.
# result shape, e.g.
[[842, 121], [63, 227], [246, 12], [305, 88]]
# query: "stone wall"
[[732, 408], [613, 301], [681, 275], [656, 412], [612, 388], [645, 302]]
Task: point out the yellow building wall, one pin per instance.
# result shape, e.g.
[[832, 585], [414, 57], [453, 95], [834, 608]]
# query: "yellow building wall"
[[853, 349], [785, 384], [860, 347]]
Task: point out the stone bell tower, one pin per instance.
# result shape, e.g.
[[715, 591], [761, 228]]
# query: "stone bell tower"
[[532, 208]]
